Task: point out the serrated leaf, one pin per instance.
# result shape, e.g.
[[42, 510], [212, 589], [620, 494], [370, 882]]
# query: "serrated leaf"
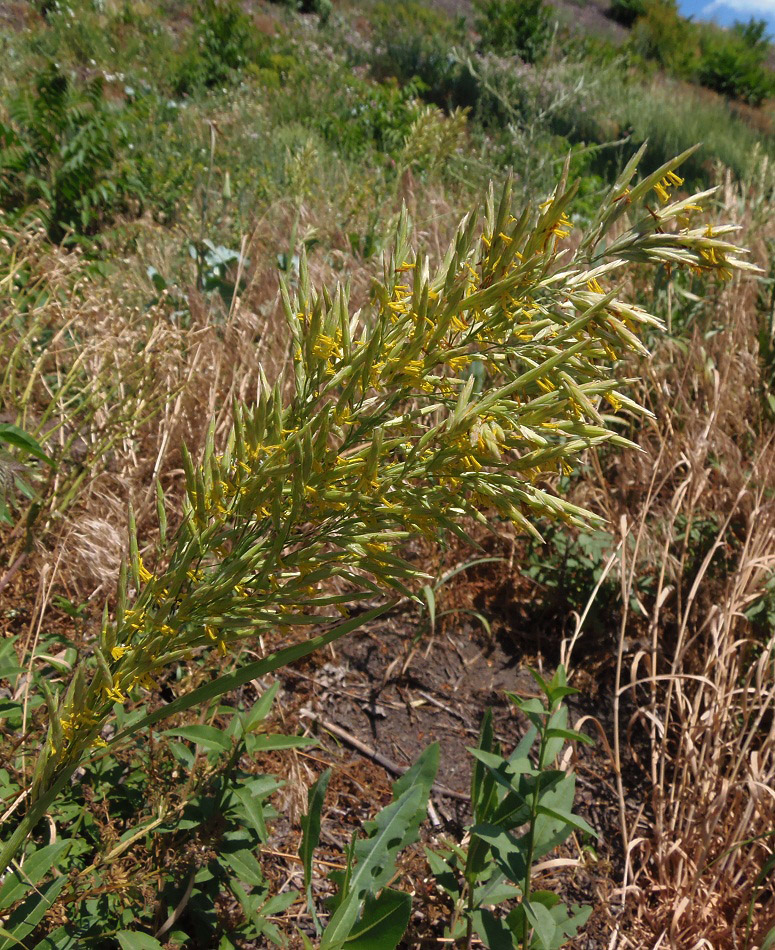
[[393, 829]]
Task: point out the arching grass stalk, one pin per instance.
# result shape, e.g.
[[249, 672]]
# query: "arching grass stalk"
[[458, 391]]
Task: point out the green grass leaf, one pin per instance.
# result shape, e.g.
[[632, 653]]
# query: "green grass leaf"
[[13, 435], [231, 681], [20, 880], [310, 836], [30, 912]]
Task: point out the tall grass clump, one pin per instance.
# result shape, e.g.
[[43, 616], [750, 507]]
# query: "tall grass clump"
[[454, 396], [694, 678], [670, 116]]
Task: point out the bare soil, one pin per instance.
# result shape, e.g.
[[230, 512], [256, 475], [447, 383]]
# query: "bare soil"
[[394, 694]]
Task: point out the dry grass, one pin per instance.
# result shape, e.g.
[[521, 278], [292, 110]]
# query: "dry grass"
[[695, 700]]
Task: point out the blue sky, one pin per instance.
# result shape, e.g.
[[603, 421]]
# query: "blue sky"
[[726, 12]]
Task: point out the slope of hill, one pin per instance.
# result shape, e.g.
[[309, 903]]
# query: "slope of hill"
[[164, 168]]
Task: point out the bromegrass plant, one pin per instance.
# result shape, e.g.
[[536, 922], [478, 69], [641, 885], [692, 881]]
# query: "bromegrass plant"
[[456, 395]]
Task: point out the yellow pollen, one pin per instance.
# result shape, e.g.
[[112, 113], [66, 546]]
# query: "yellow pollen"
[[142, 572]]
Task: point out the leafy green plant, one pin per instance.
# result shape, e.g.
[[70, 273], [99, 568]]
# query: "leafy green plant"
[[372, 115], [433, 138], [415, 42], [223, 43], [219, 270], [627, 12], [224, 48], [523, 27], [566, 570], [522, 810], [366, 913], [200, 831], [662, 35], [25, 897], [323, 8], [65, 150], [431, 614]]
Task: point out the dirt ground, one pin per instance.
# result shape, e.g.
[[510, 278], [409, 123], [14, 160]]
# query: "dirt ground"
[[379, 697]]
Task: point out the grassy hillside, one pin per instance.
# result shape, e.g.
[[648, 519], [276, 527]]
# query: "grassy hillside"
[[279, 363]]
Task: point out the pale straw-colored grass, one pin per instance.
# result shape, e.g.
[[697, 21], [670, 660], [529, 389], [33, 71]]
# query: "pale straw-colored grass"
[[695, 698]]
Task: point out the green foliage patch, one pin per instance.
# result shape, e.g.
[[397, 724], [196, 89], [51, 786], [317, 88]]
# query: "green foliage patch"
[[66, 150], [523, 27]]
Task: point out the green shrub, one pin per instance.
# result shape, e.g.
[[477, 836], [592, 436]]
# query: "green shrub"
[[662, 35], [411, 41], [734, 62], [371, 115], [66, 149], [523, 27], [627, 12], [223, 43], [323, 8]]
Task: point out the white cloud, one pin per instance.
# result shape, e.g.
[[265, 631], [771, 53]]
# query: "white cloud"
[[750, 7]]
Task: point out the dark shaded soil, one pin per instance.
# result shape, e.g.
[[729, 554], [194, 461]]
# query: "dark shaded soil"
[[396, 696]]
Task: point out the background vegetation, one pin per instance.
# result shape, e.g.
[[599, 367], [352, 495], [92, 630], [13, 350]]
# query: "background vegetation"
[[162, 167]]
